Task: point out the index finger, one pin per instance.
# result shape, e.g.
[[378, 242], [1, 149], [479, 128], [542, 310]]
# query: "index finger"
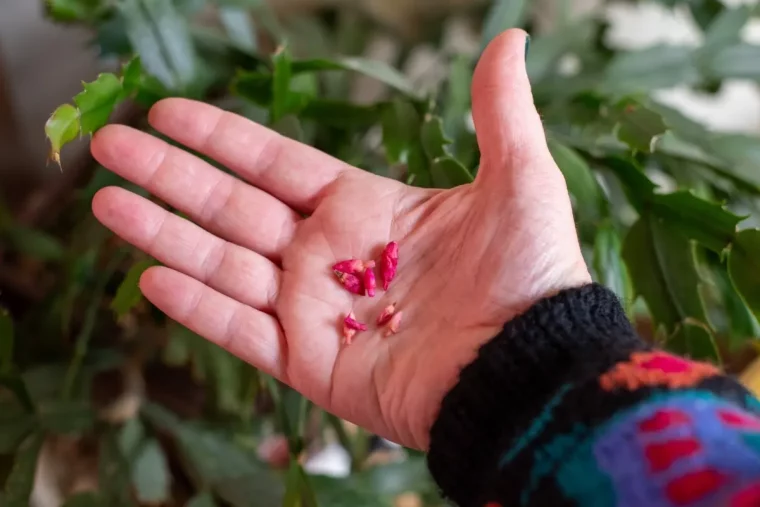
[[291, 171]]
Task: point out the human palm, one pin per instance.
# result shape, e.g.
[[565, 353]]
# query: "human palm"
[[255, 276]]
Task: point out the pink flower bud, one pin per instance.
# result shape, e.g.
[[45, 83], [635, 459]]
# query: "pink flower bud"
[[386, 314], [393, 325], [274, 450], [352, 283], [352, 266], [369, 282], [388, 263], [351, 323]]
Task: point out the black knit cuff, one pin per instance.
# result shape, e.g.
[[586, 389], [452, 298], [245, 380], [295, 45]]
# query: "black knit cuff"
[[570, 336]]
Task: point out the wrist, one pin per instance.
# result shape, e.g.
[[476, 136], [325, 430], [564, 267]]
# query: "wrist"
[[516, 373]]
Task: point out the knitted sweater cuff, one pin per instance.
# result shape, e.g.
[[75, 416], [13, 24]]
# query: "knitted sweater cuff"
[[570, 336]]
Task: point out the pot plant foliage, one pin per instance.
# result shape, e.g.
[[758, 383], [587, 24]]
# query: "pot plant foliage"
[[666, 212]]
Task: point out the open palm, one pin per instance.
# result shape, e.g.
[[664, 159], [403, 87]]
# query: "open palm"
[[254, 275]]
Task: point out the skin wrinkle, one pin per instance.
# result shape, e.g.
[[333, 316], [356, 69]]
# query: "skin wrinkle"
[[209, 269], [160, 156], [209, 214]]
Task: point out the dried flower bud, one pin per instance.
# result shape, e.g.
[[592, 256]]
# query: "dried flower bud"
[[351, 266], [352, 283], [351, 323], [389, 263], [348, 335], [369, 282], [386, 314], [393, 325]]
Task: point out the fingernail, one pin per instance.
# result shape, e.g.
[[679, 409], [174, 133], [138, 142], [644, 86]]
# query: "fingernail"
[[527, 45]]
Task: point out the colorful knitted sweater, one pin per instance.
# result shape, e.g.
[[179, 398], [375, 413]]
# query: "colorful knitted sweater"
[[567, 406]]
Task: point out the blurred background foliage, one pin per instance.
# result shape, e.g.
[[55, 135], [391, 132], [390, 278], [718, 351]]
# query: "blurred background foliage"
[[113, 404]]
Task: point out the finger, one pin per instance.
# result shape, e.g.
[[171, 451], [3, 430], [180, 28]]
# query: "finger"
[[251, 335], [291, 171], [509, 129], [180, 244], [217, 201]]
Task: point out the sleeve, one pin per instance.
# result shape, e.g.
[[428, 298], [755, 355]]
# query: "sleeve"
[[568, 406]]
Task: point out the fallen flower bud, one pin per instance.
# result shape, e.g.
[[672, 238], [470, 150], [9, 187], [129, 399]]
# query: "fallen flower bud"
[[386, 314], [393, 325], [348, 335], [369, 282], [351, 323], [351, 266], [389, 263], [352, 283]]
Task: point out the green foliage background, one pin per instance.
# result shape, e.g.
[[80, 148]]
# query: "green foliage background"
[[682, 254]]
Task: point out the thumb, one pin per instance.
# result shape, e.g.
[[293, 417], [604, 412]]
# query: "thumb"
[[509, 130]]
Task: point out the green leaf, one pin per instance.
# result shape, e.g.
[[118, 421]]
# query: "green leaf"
[[704, 12], [113, 472], [741, 61], [298, 490], [254, 86], [150, 474], [216, 461], [35, 243], [401, 139], [377, 486], [744, 268], [650, 69], [401, 124], [239, 26], [696, 340], [638, 126], [610, 268], [18, 486], [290, 94], [66, 417], [129, 438], [741, 154], [372, 68], [15, 425], [587, 195], [97, 102], [15, 384], [6, 342], [502, 15], [726, 28], [62, 127], [547, 50], [662, 267], [205, 499], [341, 114], [703, 221], [698, 219], [448, 172], [74, 10], [128, 295], [741, 324], [434, 140], [89, 499], [280, 83], [290, 127], [131, 77], [159, 35]]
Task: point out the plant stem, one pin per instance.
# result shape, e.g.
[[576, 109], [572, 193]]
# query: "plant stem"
[[345, 440], [91, 315]]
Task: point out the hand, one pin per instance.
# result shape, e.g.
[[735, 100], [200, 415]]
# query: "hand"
[[254, 276]]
